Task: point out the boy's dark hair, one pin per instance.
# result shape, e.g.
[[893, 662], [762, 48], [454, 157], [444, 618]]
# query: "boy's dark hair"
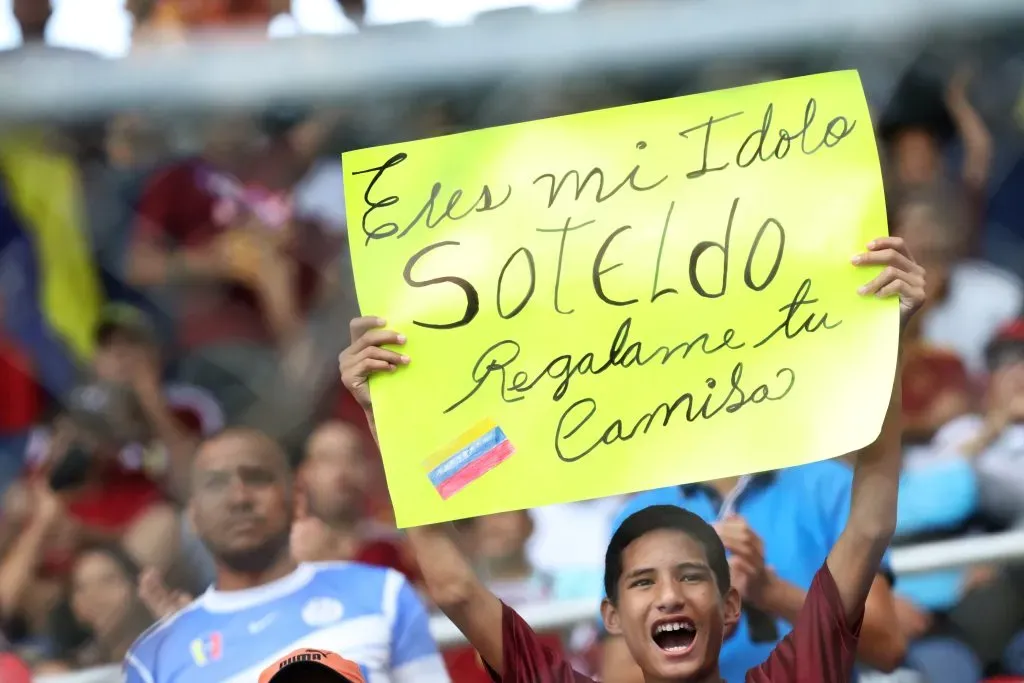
[[657, 518]]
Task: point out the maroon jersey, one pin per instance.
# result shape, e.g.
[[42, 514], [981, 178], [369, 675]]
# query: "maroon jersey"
[[821, 647]]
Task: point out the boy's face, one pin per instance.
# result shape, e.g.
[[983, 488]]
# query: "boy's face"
[[670, 611]]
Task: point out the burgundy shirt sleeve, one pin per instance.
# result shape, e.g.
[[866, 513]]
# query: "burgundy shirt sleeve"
[[527, 659], [822, 645]]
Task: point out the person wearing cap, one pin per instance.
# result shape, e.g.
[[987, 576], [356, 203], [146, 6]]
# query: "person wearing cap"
[[313, 666]]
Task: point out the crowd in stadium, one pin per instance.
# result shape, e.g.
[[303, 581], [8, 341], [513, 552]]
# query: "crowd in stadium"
[[162, 281]]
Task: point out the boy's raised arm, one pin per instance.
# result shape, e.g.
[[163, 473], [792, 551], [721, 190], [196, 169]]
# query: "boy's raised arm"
[[451, 582], [857, 554]]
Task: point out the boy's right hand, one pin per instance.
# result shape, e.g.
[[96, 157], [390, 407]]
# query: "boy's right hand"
[[364, 356]]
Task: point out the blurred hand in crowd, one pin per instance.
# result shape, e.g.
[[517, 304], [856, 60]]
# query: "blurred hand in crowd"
[[160, 600], [746, 558], [311, 540], [914, 622]]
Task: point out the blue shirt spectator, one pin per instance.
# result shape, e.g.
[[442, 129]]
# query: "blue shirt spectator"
[[370, 615]]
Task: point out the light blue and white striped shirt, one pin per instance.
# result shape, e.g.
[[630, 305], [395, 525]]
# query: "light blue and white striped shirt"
[[369, 615]]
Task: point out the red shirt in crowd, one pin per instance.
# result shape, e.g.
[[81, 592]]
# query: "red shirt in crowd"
[[821, 647], [190, 205], [181, 209]]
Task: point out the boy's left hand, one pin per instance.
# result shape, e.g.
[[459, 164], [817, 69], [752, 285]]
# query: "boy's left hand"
[[902, 275]]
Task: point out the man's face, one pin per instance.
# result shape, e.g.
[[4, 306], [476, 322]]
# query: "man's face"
[[917, 156], [670, 611], [241, 500], [334, 473]]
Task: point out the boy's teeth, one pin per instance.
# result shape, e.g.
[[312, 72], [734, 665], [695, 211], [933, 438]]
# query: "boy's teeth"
[[675, 626]]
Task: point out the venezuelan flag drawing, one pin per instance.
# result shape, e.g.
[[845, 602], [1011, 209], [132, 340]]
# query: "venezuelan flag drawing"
[[207, 649], [472, 455], [48, 280]]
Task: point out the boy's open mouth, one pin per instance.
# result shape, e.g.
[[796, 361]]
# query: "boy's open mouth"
[[674, 636]]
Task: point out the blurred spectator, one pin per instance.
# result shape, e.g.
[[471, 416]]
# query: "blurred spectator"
[[135, 144], [967, 301], [242, 507], [927, 112], [40, 516], [32, 17], [354, 10], [103, 471], [497, 546], [103, 615], [995, 439], [778, 528], [979, 610], [936, 387], [202, 233], [221, 233], [331, 524], [176, 19]]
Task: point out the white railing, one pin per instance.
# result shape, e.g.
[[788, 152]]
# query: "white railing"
[[401, 58], [1002, 548]]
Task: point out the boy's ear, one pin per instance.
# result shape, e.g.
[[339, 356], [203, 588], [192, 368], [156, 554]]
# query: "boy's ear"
[[732, 604], [610, 616]]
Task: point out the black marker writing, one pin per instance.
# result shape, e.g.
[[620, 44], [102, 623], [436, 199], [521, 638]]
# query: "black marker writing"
[[497, 360], [472, 297], [385, 229], [724, 246], [428, 212], [556, 185], [754, 147], [484, 203], [687, 405], [704, 169], [791, 326], [564, 230]]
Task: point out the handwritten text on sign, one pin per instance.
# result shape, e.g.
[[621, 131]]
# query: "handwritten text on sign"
[[624, 299]]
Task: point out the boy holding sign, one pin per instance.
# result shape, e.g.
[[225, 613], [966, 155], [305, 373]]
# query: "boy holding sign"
[[666, 574]]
